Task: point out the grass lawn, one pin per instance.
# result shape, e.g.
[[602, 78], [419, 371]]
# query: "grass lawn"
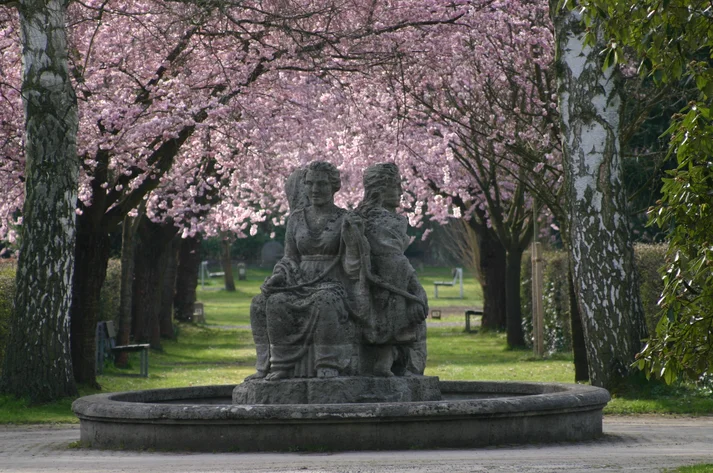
[[222, 352], [703, 468]]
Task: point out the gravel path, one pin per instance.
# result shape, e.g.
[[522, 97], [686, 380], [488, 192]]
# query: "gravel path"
[[642, 444]]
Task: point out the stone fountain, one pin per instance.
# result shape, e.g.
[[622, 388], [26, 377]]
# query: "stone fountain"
[[340, 335]]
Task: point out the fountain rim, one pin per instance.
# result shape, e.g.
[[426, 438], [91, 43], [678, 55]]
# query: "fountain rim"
[[514, 398]]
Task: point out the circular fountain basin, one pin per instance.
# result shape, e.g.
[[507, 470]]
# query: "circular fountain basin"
[[471, 414]]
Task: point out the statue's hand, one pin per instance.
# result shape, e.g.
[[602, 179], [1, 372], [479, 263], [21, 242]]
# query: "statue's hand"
[[274, 281], [355, 221], [416, 313]]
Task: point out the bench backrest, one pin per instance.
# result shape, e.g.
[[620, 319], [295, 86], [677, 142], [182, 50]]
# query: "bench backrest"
[[110, 329]]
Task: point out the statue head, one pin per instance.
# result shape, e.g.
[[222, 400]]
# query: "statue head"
[[321, 181], [382, 187]]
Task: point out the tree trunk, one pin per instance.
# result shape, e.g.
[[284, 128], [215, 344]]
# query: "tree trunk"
[[189, 262], [579, 347], [91, 259], [515, 335], [492, 269], [227, 266], [128, 246], [602, 256], [151, 258], [168, 290], [37, 360]]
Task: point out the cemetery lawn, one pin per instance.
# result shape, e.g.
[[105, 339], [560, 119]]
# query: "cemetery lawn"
[[222, 352]]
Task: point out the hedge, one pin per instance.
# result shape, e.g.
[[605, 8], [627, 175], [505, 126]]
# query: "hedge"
[[648, 258], [110, 297], [108, 304], [7, 295]]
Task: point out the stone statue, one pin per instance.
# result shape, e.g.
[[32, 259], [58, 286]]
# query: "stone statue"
[[301, 324], [393, 304], [344, 302]]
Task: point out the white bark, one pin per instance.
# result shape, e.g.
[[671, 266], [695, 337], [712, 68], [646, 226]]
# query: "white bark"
[[38, 361], [604, 274]]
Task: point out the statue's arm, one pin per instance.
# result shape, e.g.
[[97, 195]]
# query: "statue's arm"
[[291, 251], [417, 312], [356, 247], [286, 269]]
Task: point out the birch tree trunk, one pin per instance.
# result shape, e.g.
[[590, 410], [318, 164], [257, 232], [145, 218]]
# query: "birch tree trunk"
[[38, 362], [604, 274]]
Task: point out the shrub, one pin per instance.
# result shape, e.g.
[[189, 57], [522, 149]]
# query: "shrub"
[[649, 259], [558, 337], [110, 297], [557, 327], [7, 296]]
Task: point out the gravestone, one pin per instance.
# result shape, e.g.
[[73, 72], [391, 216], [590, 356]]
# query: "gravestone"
[[271, 253]]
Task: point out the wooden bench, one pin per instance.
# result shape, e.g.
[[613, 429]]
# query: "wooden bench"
[[107, 348], [457, 278], [471, 313]]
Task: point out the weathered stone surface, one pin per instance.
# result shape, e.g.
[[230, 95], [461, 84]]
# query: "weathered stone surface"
[[344, 299], [472, 414], [341, 390]]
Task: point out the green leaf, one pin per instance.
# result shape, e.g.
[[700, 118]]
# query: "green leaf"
[[708, 90], [608, 59], [658, 76]]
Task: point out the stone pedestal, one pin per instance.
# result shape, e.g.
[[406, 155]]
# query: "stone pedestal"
[[340, 390]]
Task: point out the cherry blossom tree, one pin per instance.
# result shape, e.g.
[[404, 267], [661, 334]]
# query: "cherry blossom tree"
[[475, 114], [165, 88], [468, 112]]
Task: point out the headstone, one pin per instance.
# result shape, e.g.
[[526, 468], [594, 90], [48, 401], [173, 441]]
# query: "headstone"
[[271, 253]]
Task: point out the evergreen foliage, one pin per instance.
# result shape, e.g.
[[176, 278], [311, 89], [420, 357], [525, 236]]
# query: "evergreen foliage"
[[7, 294], [558, 336], [111, 293], [673, 40]]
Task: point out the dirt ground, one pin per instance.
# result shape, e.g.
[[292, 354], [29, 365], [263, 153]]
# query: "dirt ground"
[[642, 444]]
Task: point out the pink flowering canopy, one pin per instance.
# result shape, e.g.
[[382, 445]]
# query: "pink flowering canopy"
[[468, 111], [210, 107]]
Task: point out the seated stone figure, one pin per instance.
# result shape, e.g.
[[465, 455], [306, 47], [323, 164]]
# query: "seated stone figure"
[[393, 304], [301, 320], [342, 318]]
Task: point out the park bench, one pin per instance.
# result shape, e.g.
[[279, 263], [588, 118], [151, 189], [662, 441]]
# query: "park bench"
[[107, 348], [468, 323], [457, 278]]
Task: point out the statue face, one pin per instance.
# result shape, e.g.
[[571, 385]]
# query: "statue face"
[[392, 195], [319, 189]]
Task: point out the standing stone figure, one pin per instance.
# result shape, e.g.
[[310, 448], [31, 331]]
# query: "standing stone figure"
[[394, 304]]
